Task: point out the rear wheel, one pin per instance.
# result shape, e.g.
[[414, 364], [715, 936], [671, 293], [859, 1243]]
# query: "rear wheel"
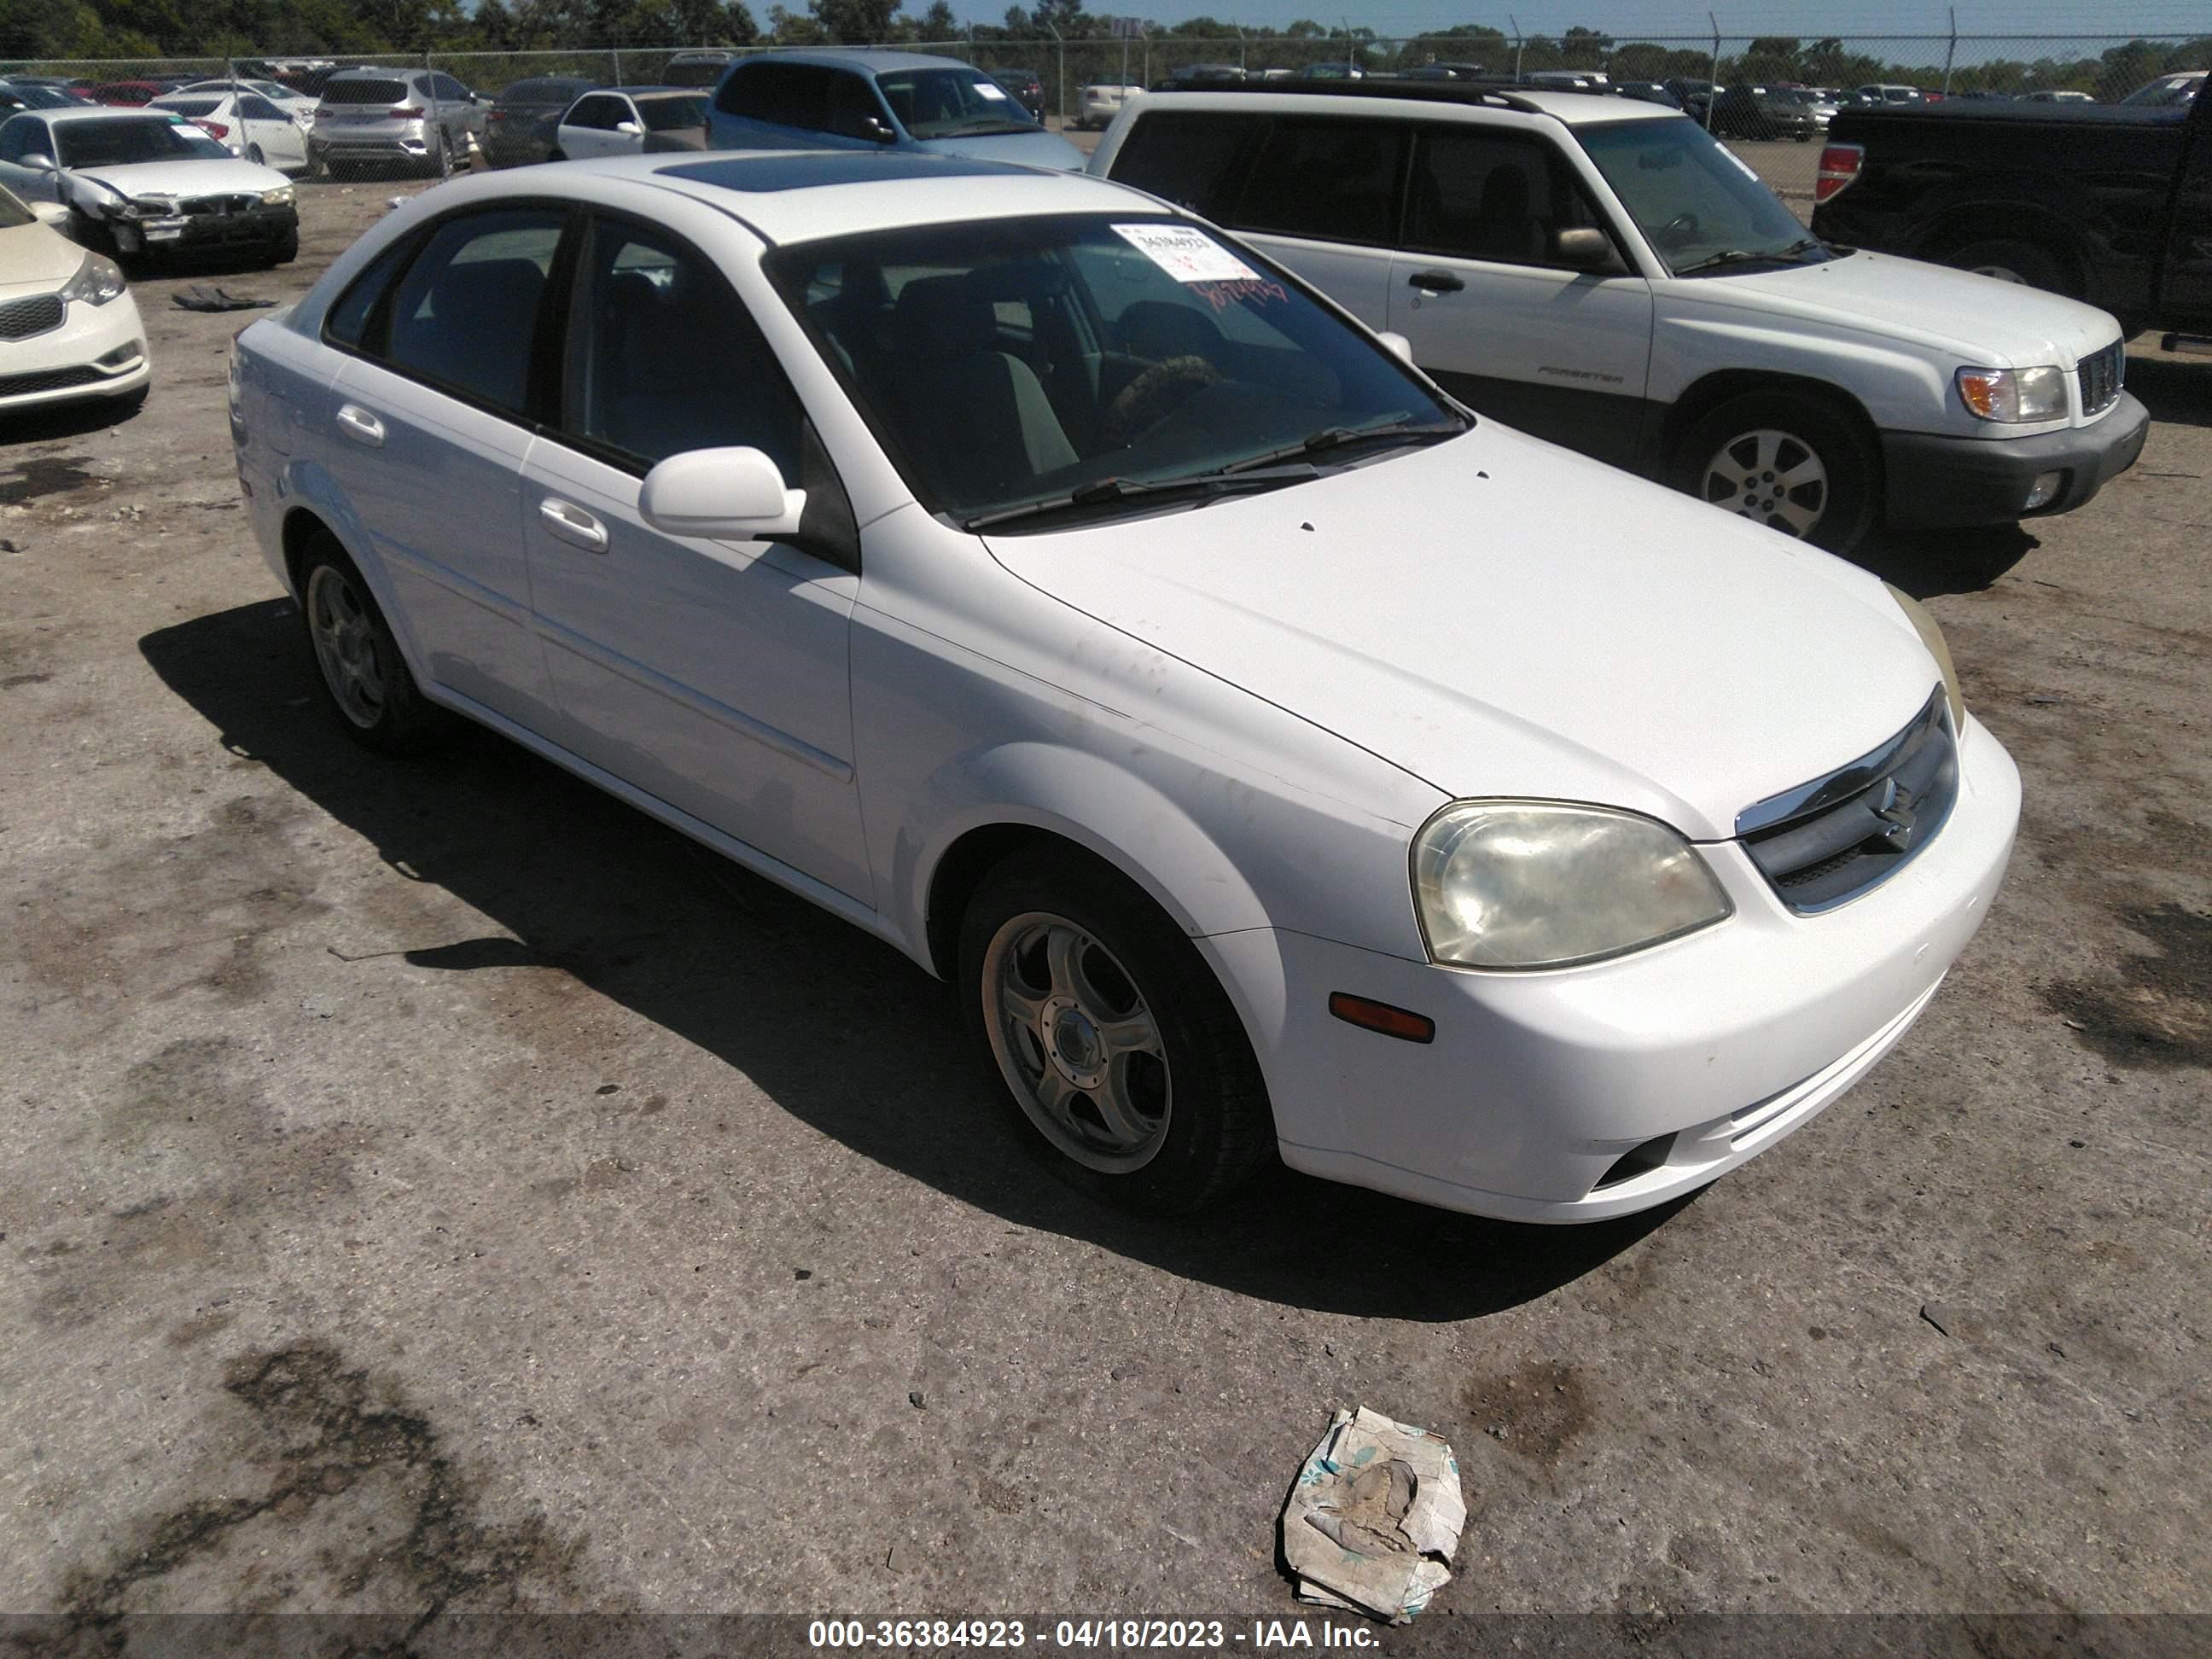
[[253, 155], [1109, 1035], [367, 678], [1788, 462], [441, 157], [2015, 262]]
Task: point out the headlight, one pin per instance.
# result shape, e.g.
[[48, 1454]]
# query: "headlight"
[[2014, 395], [280, 196], [145, 207], [1513, 883], [1931, 635], [98, 280]]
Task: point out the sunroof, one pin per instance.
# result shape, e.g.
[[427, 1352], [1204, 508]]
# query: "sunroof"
[[804, 169]]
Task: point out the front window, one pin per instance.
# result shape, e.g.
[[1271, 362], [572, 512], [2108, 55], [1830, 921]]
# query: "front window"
[[1029, 369], [123, 144], [954, 102], [1701, 208], [672, 114]]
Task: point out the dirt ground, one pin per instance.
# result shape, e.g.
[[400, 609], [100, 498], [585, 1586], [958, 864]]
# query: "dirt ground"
[[432, 1188]]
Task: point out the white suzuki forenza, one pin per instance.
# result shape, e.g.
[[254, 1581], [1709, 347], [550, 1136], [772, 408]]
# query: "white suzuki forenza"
[[1277, 757]]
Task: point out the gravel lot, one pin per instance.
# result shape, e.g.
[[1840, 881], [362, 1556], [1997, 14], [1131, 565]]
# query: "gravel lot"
[[432, 1186]]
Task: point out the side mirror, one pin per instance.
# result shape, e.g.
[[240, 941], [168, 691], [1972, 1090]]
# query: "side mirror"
[[40, 163], [732, 494], [875, 127], [1398, 346], [628, 129], [1583, 249]]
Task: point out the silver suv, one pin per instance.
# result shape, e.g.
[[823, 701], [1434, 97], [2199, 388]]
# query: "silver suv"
[[415, 118]]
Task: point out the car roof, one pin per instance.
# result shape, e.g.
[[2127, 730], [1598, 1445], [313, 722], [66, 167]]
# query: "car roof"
[[1575, 109], [875, 62], [656, 90], [96, 112], [803, 195]]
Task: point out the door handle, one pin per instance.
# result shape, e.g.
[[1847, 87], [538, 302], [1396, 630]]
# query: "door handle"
[[573, 524], [358, 424], [1436, 282]]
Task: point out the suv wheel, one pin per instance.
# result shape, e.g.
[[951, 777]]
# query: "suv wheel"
[[1110, 1037], [1787, 462], [2014, 262], [367, 678]]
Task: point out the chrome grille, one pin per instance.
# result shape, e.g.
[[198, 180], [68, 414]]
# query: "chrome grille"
[[1826, 842], [21, 319], [201, 206], [2101, 374]]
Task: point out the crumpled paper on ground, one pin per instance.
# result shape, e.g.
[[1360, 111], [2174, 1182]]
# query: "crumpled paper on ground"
[[1374, 1517]]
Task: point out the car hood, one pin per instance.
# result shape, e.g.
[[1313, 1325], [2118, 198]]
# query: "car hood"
[[1977, 320], [35, 259], [1499, 616], [1037, 150], [190, 177]]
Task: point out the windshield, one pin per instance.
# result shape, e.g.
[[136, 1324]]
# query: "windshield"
[[121, 144], [670, 114], [1018, 361], [13, 212], [951, 103], [2177, 90], [1690, 196]]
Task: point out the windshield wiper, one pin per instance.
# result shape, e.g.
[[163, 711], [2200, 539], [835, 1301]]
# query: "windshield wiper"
[[1121, 489], [1336, 437], [1736, 256]]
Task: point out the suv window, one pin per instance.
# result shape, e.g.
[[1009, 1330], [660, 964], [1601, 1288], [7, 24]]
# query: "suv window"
[[465, 314], [26, 135], [781, 94], [1192, 159], [255, 108], [598, 111], [1487, 195], [449, 90], [1336, 180], [364, 91], [853, 104], [662, 357]]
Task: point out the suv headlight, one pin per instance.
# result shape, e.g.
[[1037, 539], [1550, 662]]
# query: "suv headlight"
[[98, 280], [2016, 396], [1931, 635], [1527, 883], [280, 196]]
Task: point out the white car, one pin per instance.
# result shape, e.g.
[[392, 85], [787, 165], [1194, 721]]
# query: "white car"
[[145, 183], [631, 121], [68, 328], [1606, 274], [1276, 756], [243, 123], [1096, 105], [298, 106]]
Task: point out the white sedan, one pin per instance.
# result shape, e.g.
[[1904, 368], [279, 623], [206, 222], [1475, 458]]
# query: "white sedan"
[[631, 121], [1279, 758], [243, 123], [68, 328]]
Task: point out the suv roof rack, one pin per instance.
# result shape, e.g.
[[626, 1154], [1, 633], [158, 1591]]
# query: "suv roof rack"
[[1422, 92]]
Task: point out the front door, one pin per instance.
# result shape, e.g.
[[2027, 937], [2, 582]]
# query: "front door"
[[711, 674], [1493, 314]]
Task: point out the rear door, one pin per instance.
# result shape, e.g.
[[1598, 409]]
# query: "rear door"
[[711, 674], [1479, 288], [588, 129], [1322, 195], [2186, 301], [271, 131]]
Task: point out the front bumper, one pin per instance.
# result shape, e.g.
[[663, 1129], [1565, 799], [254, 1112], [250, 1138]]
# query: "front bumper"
[[99, 351], [1538, 1085], [189, 232], [1937, 482]]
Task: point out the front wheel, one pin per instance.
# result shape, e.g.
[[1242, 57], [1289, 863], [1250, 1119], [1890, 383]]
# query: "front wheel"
[[1787, 462], [2015, 262], [370, 684], [1109, 1035]]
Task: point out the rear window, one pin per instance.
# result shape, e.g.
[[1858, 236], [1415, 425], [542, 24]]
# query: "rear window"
[[779, 94], [364, 91], [1192, 160], [668, 114], [189, 106]]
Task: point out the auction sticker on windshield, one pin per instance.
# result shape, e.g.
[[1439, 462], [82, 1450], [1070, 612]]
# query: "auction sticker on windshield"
[[1186, 255]]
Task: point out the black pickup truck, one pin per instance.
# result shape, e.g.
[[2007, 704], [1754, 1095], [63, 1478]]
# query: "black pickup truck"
[[2111, 204]]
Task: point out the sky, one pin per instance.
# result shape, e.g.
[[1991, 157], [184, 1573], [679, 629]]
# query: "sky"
[[1655, 19]]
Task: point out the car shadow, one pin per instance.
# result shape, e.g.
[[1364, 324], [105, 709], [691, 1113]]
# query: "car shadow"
[[835, 1026], [1926, 562], [2174, 389], [78, 418]]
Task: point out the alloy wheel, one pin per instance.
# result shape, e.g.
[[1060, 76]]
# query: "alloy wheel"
[[1772, 476], [1075, 1043], [344, 634]]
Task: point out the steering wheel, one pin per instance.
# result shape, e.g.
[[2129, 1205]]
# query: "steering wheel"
[[1156, 393], [1679, 231]]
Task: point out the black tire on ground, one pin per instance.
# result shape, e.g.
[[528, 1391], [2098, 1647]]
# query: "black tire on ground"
[[1719, 461], [253, 155], [2016, 262], [88, 232], [554, 154], [283, 252], [1214, 1129], [371, 691]]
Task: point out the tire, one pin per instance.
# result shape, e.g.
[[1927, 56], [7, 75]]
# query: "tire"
[[366, 679], [2016, 262], [1740, 457], [253, 155], [441, 159], [286, 251], [554, 154], [1177, 1115]]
